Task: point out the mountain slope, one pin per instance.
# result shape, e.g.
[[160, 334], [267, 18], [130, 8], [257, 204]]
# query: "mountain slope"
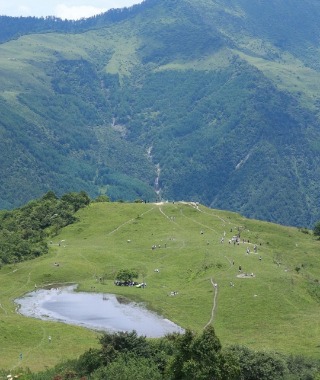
[[259, 311], [216, 102]]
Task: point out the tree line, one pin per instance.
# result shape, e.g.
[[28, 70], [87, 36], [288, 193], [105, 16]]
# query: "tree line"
[[15, 27], [316, 229], [188, 356], [24, 231], [24, 234]]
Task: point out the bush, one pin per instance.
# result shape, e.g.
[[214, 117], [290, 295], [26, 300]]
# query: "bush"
[[127, 275], [316, 230], [259, 365], [102, 198], [127, 368]]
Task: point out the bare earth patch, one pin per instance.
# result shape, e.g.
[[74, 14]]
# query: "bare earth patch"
[[246, 275]]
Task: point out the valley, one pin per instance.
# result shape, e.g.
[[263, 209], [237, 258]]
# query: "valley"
[[228, 104]]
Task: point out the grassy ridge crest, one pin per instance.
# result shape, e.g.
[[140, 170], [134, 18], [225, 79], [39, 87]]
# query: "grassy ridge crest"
[[277, 309]]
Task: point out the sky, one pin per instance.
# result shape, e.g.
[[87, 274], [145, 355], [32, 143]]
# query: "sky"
[[65, 9]]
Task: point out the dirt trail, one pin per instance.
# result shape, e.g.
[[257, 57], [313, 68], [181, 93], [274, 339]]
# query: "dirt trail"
[[127, 222], [172, 221], [215, 289], [30, 353], [196, 206], [200, 224]]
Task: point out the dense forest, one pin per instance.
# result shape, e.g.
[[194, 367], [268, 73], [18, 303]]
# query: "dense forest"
[[187, 356], [172, 100], [24, 231], [14, 27]]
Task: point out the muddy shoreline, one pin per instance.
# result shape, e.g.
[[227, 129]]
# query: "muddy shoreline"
[[95, 311]]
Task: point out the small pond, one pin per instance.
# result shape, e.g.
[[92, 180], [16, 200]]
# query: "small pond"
[[97, 311]]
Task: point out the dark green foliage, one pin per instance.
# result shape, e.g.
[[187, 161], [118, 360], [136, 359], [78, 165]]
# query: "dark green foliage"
[[64, 371], [200, 357], [314, 289], [188, 356], [304, 231], [183, 345], [259, 365], [89, 361], [191, 40], [13, 27], [301, 368], [102, 198], [76, 200], [127, 367], [186, 99], [316, 230], [112, 345], [125, 342], [127, 275], [23, 231]]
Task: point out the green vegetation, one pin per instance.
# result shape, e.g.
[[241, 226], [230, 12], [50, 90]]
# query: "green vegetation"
[[258, 312], [316, 229], [188, 356], [127, 275], [205, 99], [23, 232], [211, 102]]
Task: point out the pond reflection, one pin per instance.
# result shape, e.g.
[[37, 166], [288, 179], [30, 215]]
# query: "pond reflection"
[[105, 312]]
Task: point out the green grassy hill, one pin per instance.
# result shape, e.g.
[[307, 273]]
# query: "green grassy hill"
[[277, 309]]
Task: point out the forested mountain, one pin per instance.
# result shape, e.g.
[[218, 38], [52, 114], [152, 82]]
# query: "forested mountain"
[[210, 101]]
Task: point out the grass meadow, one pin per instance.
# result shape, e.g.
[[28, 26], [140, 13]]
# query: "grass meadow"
[[276, 309]]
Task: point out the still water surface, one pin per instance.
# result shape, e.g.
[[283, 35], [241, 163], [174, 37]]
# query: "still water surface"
[[105, 312]]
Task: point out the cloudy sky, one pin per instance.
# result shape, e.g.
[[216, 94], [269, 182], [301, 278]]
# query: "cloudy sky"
[[65, 9]]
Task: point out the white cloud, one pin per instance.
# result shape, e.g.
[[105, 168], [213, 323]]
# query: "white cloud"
[[65, 9], [77, 12], [24, 11]]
